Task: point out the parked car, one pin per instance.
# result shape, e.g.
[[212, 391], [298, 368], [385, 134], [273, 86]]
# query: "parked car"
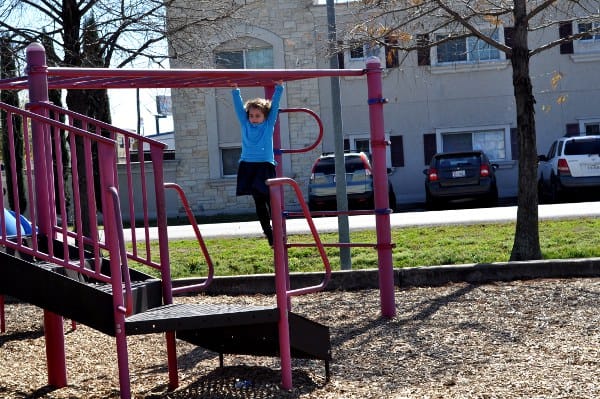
[[463, 175], [359, 183], [571, 166]]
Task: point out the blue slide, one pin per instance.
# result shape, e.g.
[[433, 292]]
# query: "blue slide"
[[11, 223]]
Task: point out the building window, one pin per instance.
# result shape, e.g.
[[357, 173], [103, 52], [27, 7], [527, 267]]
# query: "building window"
[[492, 141], [590, 43], [364, 51], [257, 58], [392, 60], [468, 49], [362, 143], [592, 27], [230, 158], [589, 126]]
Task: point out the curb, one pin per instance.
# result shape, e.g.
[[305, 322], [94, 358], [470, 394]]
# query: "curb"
[[351, 280]]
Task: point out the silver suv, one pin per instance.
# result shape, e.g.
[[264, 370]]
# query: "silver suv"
[[359, 183], [571, 166]]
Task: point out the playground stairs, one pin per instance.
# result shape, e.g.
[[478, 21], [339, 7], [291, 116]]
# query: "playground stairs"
[[224, 329]]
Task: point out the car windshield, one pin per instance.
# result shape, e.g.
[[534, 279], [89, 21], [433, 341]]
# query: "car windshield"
[[582, 147]]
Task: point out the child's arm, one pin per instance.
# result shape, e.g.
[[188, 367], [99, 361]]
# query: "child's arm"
[[238, 104], [275, 102]]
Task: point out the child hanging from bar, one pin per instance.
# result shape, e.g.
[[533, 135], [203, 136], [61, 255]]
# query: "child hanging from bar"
[[257, 119]]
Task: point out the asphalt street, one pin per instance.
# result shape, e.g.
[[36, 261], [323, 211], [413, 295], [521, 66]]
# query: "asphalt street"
[[398, 219]]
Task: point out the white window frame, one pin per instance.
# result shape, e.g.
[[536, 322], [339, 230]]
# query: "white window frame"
[[360, 62], [440, 132], [469, 65], [501, 55], [583, 45], [589, 121]]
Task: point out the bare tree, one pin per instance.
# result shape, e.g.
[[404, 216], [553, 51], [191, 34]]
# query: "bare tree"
[[103, 33], [418, 25], [129, 30], [8, 68]]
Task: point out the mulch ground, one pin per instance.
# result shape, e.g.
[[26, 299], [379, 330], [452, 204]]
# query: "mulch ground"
[[522, 339]]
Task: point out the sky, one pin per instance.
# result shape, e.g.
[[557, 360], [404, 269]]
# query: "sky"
[[124, 111]]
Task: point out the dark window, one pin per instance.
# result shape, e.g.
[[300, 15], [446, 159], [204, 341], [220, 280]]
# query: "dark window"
[[397, 151], [509, 32], [357, 52], [429, 147], [514, 143], [565, 29], [423, 52], [230, 59], [391, 53], [230, 158], [572, 129]]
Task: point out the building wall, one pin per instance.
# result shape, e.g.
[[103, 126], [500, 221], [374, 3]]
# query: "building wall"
[[422, 100]]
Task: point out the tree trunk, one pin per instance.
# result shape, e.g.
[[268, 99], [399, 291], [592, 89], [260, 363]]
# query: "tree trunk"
[[526, 245]]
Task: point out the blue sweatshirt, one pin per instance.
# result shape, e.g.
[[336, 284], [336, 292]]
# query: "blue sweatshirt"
[[257, 139]]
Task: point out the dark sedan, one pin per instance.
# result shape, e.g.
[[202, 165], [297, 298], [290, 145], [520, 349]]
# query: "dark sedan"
[[464, 175]]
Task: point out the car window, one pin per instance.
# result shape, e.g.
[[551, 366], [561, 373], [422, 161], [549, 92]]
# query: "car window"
[[551, 150], [459, 161], [325, 166], [582, 147], [354, 163]]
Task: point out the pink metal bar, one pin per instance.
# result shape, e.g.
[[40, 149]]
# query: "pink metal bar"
[[209, 262], [278, 221], [380, 187], [319, 135], [38, 92], [281, 284], [2, 319]]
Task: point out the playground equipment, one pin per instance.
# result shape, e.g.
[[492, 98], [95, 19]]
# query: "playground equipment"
[[79, 271]]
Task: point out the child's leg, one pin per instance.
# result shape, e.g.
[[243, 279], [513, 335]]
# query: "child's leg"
[[263, 211]]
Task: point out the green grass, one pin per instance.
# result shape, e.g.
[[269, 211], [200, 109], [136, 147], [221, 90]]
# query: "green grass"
[[414, 246]]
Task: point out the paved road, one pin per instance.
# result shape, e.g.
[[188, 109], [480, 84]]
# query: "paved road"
[[399, 219]]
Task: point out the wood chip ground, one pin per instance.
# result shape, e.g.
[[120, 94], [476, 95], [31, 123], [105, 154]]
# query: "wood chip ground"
[[521, 339]]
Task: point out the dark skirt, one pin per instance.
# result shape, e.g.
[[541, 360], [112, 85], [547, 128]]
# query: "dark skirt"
[[252, 177]]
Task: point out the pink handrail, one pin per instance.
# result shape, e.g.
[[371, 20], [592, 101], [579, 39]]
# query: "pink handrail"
[[278, 220], [209, 262], [128, 299], [319, 136]]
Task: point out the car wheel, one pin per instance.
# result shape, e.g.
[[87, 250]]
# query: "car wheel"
[[430, 202], [541, 194], [492, 199]]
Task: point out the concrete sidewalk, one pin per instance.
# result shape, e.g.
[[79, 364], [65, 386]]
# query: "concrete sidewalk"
[[399, 219]]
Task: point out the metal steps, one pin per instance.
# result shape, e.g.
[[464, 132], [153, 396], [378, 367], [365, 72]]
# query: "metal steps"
[[224, 329], [230, 329]]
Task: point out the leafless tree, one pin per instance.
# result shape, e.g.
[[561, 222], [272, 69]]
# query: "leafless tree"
[[104, 33], [414, 26]]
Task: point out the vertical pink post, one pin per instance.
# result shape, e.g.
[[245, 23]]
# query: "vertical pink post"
[[279, 173], [38, 93], [281, 287], [380, 186]]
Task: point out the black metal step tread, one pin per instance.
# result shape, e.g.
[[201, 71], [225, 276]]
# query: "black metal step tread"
[[181, 317], [107, 287]]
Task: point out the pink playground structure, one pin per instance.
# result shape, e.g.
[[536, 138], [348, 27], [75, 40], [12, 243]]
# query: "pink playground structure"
[[59, 263]]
